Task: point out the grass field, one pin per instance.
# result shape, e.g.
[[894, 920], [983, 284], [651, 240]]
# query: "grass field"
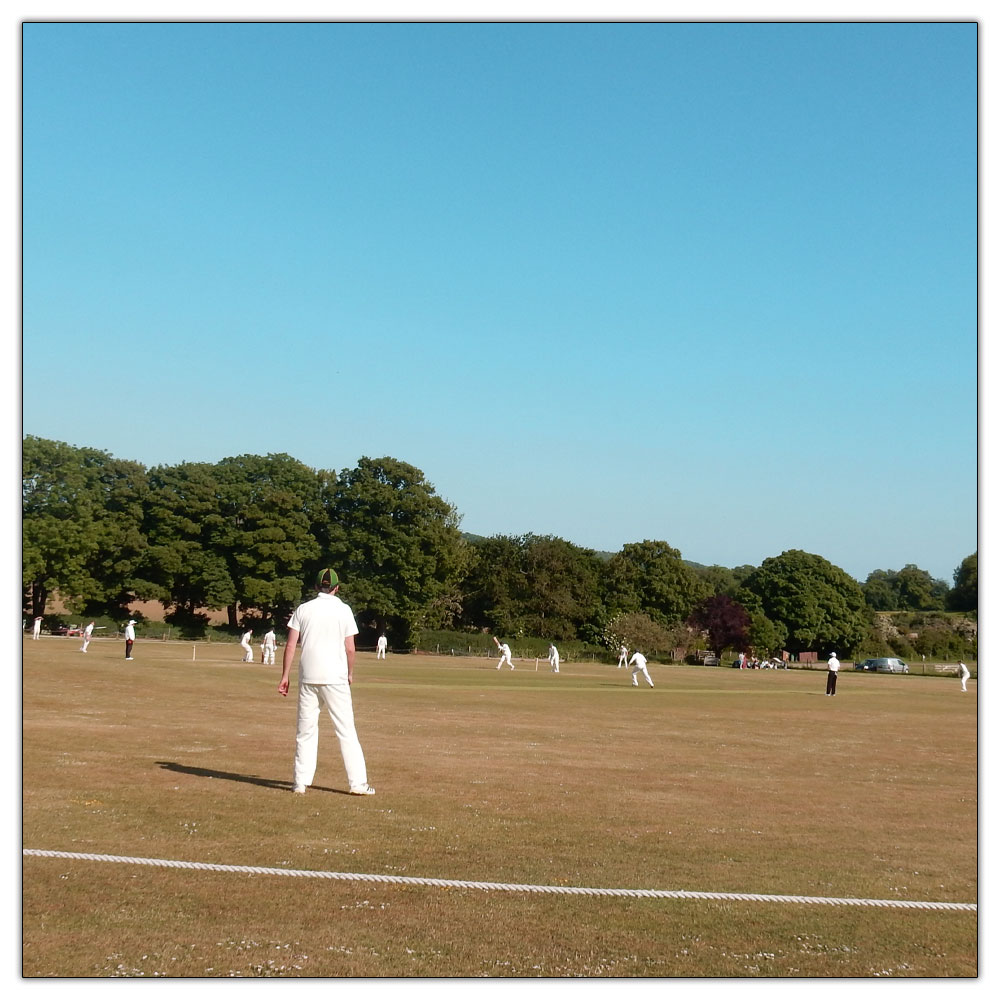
[[716, 780]]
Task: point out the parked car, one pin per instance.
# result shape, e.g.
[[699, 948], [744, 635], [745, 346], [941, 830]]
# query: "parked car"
[[68, 630], [884, 665]]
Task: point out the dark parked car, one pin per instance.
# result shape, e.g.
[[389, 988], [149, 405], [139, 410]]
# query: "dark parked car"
[[883, 665]]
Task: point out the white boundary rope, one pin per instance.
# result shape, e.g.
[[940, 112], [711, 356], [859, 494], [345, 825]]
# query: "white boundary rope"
[[567, 890]]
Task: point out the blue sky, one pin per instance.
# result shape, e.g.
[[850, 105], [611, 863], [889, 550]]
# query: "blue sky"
[[711, 283]]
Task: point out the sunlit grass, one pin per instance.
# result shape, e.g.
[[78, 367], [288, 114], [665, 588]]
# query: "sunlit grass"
[[716, 780]]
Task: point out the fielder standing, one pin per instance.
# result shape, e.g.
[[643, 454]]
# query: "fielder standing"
[[832, 669], [963, 673], [87, 633], [623, 657], [327, 629], [36, 628], [129, 638], [381, 646], [553, 658], [247, 648], [638, 665], [267, 647]]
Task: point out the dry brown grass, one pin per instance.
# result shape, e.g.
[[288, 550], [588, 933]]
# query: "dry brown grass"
[[716, 780]]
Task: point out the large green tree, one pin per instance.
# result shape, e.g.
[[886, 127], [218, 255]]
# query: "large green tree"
[[495, 588], [81, 526], [820, 607], [637, 631], [919, 591], [719, 579], [271, 512], [880, 590], [186, 565], [396, 545], [532, 585], [908, 589], [563, 582], [650, 577], [964, 596]]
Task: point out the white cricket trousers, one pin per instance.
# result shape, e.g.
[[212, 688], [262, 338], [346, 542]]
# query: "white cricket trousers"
[[645, 673], [336, 698]]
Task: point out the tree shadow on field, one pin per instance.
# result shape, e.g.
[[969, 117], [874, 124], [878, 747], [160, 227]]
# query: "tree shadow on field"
[[249, 779]]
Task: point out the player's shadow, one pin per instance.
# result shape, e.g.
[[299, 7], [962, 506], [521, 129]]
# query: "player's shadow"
[[249, 779]]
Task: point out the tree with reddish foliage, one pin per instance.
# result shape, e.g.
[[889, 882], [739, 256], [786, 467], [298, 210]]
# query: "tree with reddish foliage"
[[725, 621]]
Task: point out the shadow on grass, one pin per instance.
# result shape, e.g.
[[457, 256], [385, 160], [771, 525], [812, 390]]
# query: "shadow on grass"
[[249, 779]]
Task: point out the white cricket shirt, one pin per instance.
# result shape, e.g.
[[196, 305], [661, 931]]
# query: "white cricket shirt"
[[323, 624]]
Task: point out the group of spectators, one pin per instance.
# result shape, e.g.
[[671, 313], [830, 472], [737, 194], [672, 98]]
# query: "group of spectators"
[[744, 662]]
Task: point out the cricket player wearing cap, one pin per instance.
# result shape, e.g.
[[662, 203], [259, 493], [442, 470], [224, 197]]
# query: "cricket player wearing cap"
[[832, 669], [129, 638], [326, 628]]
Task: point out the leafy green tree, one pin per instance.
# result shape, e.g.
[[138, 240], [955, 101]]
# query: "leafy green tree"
[[397, 546], [271, 511], [719, 579], [740, 573], [964, 596], [918, 590], [186, 566], [636, 630], [495, 589], [532, 585], [880, 592], [765, 636], [817, 603], [651, 577], [562, 580], [908, 589], [81, 525]]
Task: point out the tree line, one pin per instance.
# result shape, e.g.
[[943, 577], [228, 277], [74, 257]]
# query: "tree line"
[[247, 533]]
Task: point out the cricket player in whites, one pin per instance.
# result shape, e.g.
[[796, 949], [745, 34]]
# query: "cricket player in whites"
[[638, 665], [326, 628], [623, 657], [963, 673], [381, 646], [267, 647], [87, 633], [553, 658], [504, 653]]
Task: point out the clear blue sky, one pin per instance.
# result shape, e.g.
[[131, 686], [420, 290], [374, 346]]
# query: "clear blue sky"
[[714, 284]]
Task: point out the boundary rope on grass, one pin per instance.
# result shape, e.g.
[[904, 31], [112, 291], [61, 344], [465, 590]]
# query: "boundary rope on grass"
[[568, 890]]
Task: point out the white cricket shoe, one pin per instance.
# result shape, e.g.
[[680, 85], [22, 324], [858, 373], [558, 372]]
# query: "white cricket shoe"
[[363, 790]]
